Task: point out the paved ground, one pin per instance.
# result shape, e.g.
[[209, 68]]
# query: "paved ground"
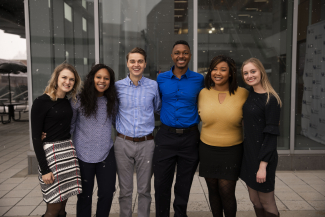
[[298, 193]]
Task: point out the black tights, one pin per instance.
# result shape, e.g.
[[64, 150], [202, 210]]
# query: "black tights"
[[264, 201], [222, 197], [55, 209]]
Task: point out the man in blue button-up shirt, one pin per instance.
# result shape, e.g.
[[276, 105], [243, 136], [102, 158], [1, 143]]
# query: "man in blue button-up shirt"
[[138, 101], [178, 138]]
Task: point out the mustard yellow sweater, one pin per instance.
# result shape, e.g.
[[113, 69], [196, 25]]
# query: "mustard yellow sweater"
[[221, 123]]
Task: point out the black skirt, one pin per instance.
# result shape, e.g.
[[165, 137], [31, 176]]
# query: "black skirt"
[[220, 162]]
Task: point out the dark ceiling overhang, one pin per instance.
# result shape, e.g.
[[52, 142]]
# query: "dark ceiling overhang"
[[12, 17]]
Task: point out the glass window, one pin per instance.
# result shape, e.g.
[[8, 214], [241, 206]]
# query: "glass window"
[[67, 12], [84, 3], [61, 31], [244, 29], [153, 25], [310, 76], [84, 24]]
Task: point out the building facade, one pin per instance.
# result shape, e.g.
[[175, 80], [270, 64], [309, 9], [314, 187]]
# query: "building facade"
[[287, 36]]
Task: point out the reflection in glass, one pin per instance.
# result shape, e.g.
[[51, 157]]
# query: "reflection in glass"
[[310, 77], [153, 25], [244, 29], [60, 31]]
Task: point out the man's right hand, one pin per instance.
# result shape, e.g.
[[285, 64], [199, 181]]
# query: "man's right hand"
[[48, 178]]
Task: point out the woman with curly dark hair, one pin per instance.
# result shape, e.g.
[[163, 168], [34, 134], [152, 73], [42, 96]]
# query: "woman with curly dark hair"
[[220, 106], [93, 114]]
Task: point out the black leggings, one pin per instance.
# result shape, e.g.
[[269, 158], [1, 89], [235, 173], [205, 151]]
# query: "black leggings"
[[262, 200], [222, 197], [55, 209]]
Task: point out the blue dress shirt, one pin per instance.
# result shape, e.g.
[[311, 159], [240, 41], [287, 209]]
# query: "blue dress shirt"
[[179, 98], [137, 106]]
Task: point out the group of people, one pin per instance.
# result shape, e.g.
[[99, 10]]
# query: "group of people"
[[72, 136]]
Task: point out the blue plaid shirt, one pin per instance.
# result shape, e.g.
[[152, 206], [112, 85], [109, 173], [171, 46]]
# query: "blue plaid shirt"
[[137, 106]]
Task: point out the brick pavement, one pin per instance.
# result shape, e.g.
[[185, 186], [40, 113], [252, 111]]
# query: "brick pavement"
[[298, 193]]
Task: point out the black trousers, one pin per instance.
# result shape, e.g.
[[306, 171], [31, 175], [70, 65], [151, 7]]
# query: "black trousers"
[[105, 173], [174, 149]]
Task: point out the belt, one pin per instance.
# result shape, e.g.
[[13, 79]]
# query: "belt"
[[179, 130], [136, 139]]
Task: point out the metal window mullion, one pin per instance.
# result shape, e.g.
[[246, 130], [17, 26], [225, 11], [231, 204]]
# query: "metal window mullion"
[[29, 69], [309, 152], [195, 35], [96, 23], [293, 76]]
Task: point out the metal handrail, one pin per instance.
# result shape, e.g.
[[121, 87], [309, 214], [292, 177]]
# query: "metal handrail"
[[19, 94], [5, 94]]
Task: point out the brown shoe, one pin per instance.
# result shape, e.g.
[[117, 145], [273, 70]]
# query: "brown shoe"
[[259, 212]]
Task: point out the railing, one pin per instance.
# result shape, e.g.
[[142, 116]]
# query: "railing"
[[19, 94], [6, 94]]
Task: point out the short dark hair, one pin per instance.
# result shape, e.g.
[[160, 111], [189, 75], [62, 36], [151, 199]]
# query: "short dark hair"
[[233, 85], [137, 50], [181, 42]]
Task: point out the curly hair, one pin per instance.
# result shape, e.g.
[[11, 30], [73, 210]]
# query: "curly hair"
[[181, 42], [233, 85], [53, 82], [88, 95]]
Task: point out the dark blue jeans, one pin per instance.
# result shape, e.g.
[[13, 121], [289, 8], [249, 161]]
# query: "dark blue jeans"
[[105, 173]]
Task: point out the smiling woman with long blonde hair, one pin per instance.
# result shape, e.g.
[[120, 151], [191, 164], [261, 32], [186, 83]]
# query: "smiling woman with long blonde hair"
[[261, 113], [59, 173]]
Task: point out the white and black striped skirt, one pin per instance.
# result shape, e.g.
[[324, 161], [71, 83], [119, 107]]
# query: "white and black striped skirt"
[[62, 160]]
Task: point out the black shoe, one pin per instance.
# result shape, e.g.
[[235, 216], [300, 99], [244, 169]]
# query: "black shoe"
[[64, 215], [259, 212], [267, 214]]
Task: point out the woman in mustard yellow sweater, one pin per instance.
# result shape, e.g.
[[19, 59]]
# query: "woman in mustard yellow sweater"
[[220, 106]]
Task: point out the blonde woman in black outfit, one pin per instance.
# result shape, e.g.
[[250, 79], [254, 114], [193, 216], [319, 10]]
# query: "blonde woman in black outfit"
[[261, 113], [59, 173]]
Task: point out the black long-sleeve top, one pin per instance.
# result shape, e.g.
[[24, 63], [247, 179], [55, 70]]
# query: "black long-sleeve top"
[[261, 128], [53, 118]]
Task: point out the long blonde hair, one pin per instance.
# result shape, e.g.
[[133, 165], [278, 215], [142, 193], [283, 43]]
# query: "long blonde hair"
[[53, 82], [264, 79]]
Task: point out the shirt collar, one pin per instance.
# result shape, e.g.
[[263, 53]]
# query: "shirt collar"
[[130, 82], [187, 73]]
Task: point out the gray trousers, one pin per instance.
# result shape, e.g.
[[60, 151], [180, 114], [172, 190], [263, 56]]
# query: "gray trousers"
[[129, 154]]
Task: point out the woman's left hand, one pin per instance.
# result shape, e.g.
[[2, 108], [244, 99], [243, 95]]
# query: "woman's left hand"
[[261, 175]]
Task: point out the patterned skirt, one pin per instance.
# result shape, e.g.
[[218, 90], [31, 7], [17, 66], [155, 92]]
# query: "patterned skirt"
[[62, 160]]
